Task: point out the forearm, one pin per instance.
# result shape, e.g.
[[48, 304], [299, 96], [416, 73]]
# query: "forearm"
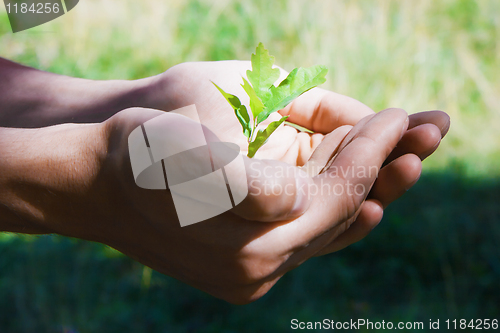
[[33, 98]]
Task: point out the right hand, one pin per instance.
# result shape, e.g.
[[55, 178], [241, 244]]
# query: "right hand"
[[234, 256]]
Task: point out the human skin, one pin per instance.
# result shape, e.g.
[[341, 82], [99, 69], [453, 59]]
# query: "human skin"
[[76, 180]]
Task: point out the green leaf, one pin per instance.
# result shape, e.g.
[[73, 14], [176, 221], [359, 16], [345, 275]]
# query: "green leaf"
[[242, 115], [297, 82], [263, 75], [256, 104], [240, 111], [298, 127], [263, 135], [233, 100], [266, 98]]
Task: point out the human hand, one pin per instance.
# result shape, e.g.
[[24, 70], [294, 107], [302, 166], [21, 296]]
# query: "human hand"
[[231, 256]]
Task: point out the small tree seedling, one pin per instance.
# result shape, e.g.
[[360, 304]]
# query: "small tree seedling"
[[266, 98]]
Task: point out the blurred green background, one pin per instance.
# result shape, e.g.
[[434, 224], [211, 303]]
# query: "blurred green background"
[[435, 255]]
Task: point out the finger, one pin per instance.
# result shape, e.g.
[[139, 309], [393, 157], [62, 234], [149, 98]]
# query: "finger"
[[276, 191], [354, 132], [323, 158], [308, 234], [438, 118], [396, 178], [370, 216], [325, 151], [421, 140], [322, 222], [339, 191], [367, 150], [301, 148], [393, 181], [322, 111], [367, 218]]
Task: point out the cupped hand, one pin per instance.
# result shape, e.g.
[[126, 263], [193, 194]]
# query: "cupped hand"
[[329, 115], [233, 256]]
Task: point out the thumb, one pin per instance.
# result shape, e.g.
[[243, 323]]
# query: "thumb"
[[366, 148], [276, 191]]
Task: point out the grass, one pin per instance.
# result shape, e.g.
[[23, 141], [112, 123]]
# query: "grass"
[[436, 255]]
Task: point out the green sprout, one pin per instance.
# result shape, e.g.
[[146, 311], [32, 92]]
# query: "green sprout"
[[266, 98]]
